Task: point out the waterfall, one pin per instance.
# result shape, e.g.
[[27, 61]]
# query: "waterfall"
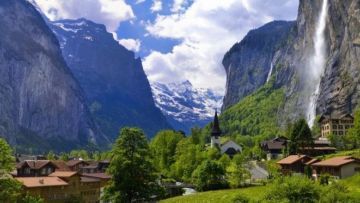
[[317, 63], [269, 74]]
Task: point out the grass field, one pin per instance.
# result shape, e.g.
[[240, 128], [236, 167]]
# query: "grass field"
[[255, 194], [220, 196]]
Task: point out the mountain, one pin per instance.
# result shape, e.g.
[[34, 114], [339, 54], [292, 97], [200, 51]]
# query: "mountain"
[[115, 84], [185, 106], [42, 106], [317, 66], [248, 63]]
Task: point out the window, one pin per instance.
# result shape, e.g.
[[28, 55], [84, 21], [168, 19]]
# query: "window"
[[43, 171], [341, 127], [335, 126], [341, 132], [335, 132]]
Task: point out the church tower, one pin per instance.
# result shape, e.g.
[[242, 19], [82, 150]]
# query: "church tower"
[[215, 132]]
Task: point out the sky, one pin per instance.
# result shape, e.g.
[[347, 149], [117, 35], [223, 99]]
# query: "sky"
[[177, 40]]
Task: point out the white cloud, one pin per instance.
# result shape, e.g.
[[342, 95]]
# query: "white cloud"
[[139, 1], [131, 44], [156, 6], [179, 5], [107, 12], [208, 28]]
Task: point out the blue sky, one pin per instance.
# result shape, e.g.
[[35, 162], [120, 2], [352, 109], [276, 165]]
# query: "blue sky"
[[177, 39]]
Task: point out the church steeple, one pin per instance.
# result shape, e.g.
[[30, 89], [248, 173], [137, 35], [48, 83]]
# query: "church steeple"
[[216, 131]]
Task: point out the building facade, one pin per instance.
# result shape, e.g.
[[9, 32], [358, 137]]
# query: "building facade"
[[335, 125]]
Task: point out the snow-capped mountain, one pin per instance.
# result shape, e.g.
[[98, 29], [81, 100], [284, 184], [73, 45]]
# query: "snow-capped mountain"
[[185, 106]]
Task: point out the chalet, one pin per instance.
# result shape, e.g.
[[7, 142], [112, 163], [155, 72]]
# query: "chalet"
[[340, 167], [51, 189], [274, 148], [230, 147], [76, 165], [35, 168], [321, 146], [294, 164], [24, 157], [95, 167], [336, 125]]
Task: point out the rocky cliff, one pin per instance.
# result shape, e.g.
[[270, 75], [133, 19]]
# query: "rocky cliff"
[[115, 84], [339, 89], [42, 106]]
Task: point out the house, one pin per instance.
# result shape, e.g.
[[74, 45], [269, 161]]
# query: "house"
[[87, 189], [76, 165], [274, 148], [321, 146], [51, 189], [95, 167], [230, 147], [37, 168], [336, 125], [294, 164], [340, 167], [103, 177], [24, 157]]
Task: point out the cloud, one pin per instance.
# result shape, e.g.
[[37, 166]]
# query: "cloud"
[[179, 5], [131, 44], [156, 6], [207, 29], [107, 12]]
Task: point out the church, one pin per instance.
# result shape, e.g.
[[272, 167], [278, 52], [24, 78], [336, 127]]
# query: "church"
[[230, 147]]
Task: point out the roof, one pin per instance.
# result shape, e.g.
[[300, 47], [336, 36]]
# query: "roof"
[[74, 162], [31, 182], [312, 161], [274, 145], [63, 174], [325, 117], [88, 179], [61, 165], [97, 175], [337, 161], [291, 159], [34, 164]]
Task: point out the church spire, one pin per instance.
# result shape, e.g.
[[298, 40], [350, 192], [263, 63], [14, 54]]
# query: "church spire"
[[216, 131]]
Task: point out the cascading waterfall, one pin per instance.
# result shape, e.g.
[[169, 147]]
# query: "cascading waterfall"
[[317, 63], [269, 74]]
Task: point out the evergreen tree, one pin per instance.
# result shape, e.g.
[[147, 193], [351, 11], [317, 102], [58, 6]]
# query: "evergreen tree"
[[300, 137], [132, 172]]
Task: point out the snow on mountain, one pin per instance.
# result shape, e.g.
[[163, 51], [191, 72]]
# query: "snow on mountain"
[[185, 106]]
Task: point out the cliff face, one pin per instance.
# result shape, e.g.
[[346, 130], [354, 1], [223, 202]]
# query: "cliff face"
[[248, 63], [42, 105], [339, 83], [115, 84]]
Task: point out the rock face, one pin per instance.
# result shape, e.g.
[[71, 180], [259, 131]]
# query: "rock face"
[[42, 106], [114, 81], [248, 63], [185, 106], [339, 86]]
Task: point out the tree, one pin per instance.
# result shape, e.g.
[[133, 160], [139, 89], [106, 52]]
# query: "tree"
[[236, 173], [31, 199], [209, 176], [352, 138], [187, 157], [293, 189], [300, 137], [10, 189], [51, 155], [163, 148], [132, 173], [64, 156], [7, 161]]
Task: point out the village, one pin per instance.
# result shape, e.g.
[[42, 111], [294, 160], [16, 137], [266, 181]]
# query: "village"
[[59, 181]]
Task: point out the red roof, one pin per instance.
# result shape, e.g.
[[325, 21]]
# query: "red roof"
[[336, 161], [291, 159], [63, 174], [74, 162], [34, 164], [41, 181]]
